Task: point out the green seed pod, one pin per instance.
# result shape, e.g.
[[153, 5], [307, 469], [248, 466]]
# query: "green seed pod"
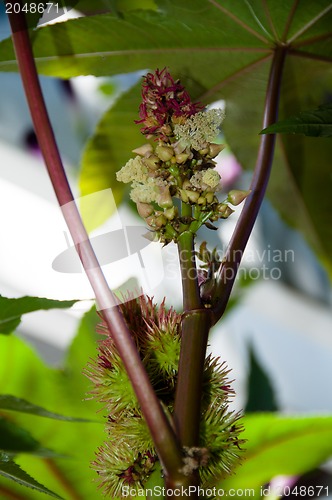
[[128, 456]]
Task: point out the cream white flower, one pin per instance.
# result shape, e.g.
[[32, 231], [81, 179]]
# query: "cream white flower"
[[134, 170], [211, 178], [200, 128], [144, 193]]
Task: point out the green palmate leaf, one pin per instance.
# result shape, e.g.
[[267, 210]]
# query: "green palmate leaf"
[[225, 48], [140, 39], [104, 154], [8, 402], [11, 310], [260, 391], [10, 470], [279, 445], [14, 439], [317, 123], [89, 8], [65, 391], [301, 164]]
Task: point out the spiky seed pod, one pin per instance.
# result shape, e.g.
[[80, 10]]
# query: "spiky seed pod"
[[128, 457], [119, 465], [220, 434], [133, 430]]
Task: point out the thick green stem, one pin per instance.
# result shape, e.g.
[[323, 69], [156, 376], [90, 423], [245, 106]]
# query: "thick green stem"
[[163, 435], [228, 271], [191, 297], [187, 410], [195, 329]]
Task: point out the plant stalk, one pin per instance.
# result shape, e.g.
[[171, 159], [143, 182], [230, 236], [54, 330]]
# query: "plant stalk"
[[190, 289], [236, 247], [166, 443], [187, 409], [195, 330]]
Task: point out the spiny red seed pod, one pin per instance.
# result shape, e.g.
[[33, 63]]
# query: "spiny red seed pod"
[[164, 100]]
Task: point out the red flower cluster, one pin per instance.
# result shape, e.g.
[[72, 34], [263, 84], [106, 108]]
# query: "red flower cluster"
[[165, 102]]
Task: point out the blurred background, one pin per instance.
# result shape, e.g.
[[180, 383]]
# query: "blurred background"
[[278, 325], [282, 313]]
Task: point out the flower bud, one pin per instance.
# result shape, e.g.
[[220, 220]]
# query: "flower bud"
[[224, 210], [209, 197], [235, 197], [181, 158], [174, 170], [186, 184], [151, 221], [204, 253], [164, 198], [206, 290], [144, 209], [204, 151], [152, 163], [179, 147], [192, 196], [165, 153], [166, 130], [156, 222], [214, 149], [160, 221], [184, 196], [170, 213], [143, 150], [201, 200]]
